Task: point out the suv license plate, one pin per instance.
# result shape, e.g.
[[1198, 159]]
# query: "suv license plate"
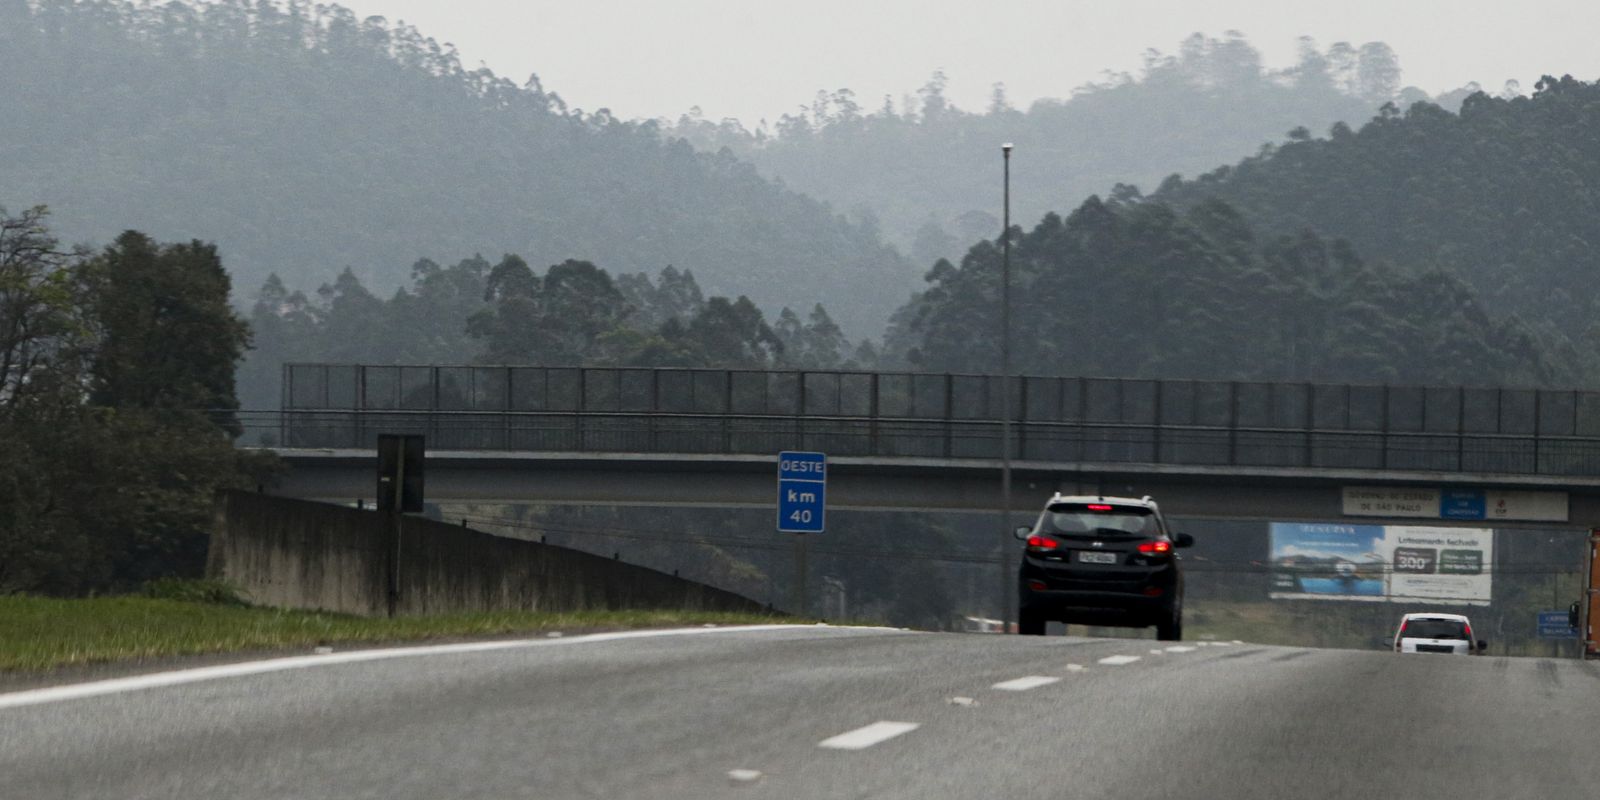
[[1091, 557]]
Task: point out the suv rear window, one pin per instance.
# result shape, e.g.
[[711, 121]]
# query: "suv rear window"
[[1100, 520], [1434, 629]]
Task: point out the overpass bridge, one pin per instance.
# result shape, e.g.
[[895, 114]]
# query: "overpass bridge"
[[926, 441]]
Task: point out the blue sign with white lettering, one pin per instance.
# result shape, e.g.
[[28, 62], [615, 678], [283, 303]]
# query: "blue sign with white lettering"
[[802, 488], [1461, 504], [1553, 625]]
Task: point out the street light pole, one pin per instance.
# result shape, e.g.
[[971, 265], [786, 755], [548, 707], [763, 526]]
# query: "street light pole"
[[1007, 590]]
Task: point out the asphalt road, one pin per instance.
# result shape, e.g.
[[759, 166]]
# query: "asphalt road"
[[829, 713]]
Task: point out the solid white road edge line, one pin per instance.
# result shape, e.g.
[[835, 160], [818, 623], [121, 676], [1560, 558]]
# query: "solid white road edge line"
[[1024, 684], [154, 680], [1117, 661], [862, 738]]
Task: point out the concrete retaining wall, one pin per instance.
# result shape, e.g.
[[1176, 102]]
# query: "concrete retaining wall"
[[300, 554]]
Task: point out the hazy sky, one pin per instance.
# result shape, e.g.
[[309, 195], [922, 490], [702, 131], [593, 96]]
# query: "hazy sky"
[[756, 58]]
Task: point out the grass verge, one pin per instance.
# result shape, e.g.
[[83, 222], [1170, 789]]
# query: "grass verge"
[[41, 633]]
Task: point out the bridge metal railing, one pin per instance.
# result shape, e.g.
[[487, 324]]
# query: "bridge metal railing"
[[955, 416]]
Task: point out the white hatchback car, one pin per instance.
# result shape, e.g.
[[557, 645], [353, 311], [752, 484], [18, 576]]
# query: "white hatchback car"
[[1436, 633]]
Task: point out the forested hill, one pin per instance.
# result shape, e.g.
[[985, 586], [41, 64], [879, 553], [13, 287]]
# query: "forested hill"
[[1143, 290], [930, 171], [302, 140], [1502, 195]]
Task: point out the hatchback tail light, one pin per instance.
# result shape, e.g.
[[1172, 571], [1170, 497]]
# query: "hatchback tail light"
[[1160, 547], [1037, 542]]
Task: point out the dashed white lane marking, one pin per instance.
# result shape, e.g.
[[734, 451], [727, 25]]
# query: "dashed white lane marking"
[[1024, 684], [158, 679], [1076, 667], [862, 738], [1178, 648], [1158, 652], [744, 775], [1117, 661]]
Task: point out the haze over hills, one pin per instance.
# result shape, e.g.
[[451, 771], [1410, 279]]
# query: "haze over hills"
[[1139, 289], [302, 140], [1500, 195], [930, 171]]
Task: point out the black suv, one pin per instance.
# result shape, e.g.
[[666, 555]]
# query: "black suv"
[[1102, 561]]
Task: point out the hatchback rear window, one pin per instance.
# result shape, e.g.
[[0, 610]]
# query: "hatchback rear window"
[[1434, 629], [1099, 519]]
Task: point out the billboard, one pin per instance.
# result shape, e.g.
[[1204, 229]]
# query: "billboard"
[[1379, 563]]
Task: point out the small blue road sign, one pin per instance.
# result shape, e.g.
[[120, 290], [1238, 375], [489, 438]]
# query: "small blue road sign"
[[1553, 625], [802, 489], [1462, 504]]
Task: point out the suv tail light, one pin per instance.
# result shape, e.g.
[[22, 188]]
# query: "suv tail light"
[[1159, 547], [1037, 542]]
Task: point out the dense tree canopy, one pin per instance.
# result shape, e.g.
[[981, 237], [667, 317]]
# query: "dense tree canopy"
[[1139, 289], [1500, 196], [111, 365], [573, 313], [300, 137]]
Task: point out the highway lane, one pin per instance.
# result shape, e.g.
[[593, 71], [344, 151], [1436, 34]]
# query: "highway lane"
[[827, 712]]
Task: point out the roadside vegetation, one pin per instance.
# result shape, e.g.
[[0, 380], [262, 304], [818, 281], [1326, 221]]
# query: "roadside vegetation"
[[198, 618]]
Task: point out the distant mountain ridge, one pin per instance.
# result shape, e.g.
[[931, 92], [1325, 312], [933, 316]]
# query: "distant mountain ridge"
[[1504, 196], [929, 172], [302, 139]]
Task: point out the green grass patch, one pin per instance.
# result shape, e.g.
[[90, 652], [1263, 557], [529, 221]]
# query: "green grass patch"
[[42, 633]]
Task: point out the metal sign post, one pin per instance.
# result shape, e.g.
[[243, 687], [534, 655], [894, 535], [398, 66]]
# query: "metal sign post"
[[400, 473], [802, 508]]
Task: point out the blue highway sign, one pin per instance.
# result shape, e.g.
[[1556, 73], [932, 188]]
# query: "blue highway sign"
[[802, 489], [1553, 625]]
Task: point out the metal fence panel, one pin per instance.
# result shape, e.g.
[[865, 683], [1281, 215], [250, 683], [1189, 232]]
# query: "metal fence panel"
[[1588, 414], [1519, 411], [453, 391], [930, 396], [1368, 410], [1139, 400], [1330, 407], [710, 391], [1213, 403], [1043, 403], [1177, 403], [969, 397], [822, 393], [636, 390], [1102, 400], [1480, 411], [855, 394], [1517, 431], [1558, 413], [1405, 409], [491, 388]]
